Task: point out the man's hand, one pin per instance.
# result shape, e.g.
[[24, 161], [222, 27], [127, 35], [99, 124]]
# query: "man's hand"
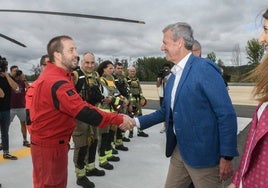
[[128, 123], [226, 169], [11, 82], [4, 74]]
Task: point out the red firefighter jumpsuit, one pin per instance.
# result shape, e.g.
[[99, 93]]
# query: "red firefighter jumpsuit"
[[53, 105]]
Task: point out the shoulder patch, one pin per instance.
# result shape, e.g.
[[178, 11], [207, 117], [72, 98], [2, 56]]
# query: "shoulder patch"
[[70, 92]]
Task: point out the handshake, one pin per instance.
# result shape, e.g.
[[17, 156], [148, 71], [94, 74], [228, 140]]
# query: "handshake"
[[128, 123]]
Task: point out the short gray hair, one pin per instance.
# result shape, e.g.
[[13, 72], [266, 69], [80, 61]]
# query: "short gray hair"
[[181, 30], [90, 53]]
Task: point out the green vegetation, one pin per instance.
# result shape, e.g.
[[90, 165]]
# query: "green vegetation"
[[148, 67]]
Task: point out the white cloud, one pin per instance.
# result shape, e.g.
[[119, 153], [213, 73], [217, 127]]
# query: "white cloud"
[[218, 25]]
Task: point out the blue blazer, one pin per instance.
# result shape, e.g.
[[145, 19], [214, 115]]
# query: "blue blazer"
[[204, 119]]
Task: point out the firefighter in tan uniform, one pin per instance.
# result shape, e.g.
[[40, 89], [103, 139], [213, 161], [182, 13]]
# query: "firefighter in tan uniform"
[[117, 101], [85, 137], [123, 87], [137, 100]]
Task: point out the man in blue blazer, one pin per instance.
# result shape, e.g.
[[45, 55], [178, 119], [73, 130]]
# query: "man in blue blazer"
[[201, 121]]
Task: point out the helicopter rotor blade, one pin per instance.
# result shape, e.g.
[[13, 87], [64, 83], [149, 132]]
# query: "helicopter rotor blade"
[[12, 40], [74, 15]]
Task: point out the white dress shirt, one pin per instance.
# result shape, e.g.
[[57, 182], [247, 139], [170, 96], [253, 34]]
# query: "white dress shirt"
[[177, 70]]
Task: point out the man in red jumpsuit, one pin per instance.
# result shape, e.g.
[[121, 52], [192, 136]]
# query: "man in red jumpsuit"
[[52, 106]]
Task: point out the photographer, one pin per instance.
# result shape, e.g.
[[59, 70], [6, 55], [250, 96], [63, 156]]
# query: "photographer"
[[7, 85], [162, 78], [17, 103]]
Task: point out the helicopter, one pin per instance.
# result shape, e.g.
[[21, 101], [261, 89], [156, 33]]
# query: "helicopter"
[[63, 14]]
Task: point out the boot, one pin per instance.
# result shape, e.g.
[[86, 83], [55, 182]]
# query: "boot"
[[142, 134], [125, 139], [95, 172], [84, 182], [103, 163], [130, 134], [107, 166], [110, 157], [119, 145], [91, 170], [115, 152]]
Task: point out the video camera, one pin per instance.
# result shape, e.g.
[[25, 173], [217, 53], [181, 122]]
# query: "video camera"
[[3, 64], [18, 73], [162, 73]]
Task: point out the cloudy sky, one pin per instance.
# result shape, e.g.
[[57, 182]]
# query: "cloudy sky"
[[217, 24]]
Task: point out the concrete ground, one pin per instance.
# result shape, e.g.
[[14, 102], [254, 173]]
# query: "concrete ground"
[[144, 165], [145, 158]]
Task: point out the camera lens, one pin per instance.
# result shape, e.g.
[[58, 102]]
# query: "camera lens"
[[18, 73]]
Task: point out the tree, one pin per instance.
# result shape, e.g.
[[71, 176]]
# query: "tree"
[[212, 56], [254, 51], [148, 67], [116, 60], [99, 60], [36, 70], [236, 55], [125, 63]]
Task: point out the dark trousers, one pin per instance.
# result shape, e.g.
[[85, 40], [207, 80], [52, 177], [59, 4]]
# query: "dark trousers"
[[4, 123]]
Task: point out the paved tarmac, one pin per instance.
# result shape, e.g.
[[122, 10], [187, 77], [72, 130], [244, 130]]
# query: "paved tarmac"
[[143, 166]]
